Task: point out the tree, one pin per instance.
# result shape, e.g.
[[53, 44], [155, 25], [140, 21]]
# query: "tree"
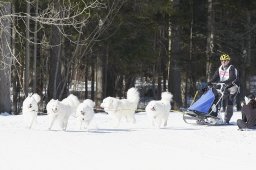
[[27, 54], [210, 43], [174, 82], [35, 50], [5, 59]]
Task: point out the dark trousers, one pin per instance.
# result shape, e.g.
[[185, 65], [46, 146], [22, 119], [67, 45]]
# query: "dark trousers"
[[228, 101]]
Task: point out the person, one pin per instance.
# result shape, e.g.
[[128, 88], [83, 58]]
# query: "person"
[[201, 88], [248, 120], [228, 75]]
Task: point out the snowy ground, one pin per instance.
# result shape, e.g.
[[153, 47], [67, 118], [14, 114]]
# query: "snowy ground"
[[137, 147]]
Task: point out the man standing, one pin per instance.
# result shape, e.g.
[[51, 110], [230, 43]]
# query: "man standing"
[[228, 75]]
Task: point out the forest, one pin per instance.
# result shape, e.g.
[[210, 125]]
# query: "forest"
[[53, 47]]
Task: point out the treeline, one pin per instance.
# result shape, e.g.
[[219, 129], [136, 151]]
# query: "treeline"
[[49, 46]]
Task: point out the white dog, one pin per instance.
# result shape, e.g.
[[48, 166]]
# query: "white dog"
[[61, 110], [122, 108], [30, 109], [158, 110], [85, 113]]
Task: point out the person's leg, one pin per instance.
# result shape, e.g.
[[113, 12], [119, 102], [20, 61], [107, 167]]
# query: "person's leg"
[[228, 114], [229, 108]]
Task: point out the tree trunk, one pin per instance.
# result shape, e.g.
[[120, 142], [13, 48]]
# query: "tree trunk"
[[110, 83], [92, 78], [210, 44], [55, 84], [99, 79], [189, 70], [174, 82], [6, 60], [105, 84], [35, 51], [86, 78], [159, 74], [27, 57], [249, 39], [15, 79]]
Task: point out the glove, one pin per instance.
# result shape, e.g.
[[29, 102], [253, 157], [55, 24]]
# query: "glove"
[[209, 84], [225, 86], [218, 86]]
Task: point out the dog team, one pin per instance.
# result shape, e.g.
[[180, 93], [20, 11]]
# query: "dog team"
[[59, 112]]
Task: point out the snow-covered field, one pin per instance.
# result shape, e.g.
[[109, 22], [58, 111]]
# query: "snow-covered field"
[[129, 147]]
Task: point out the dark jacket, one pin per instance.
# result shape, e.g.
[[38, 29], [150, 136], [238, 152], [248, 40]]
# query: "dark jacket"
[[249, 116], [233, 78]]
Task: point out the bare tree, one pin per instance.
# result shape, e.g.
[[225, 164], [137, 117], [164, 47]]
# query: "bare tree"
[[27, 57], [35, 49], [5, 59], [76, 16]]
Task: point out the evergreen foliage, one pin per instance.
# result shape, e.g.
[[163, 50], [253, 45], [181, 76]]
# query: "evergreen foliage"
[[132, 39]]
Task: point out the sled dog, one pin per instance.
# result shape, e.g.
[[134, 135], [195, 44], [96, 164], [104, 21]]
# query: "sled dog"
[[60, 111], [30, 109], [122, 108], [158, 110]]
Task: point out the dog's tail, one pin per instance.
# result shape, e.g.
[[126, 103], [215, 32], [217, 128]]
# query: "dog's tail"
[[133, 95], [89, 102], [167, 96], [36, 97], [71, 100]]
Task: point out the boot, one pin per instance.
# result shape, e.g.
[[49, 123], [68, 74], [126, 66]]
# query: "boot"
[[241, 124], [228, 114]]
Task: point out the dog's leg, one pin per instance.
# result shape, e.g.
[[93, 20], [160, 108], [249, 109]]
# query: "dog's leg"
[[158, 122], [86, 124], [165, 123], [81, 124], [65, 123], [32, 121], [62, 125], [52, 120], [126, 118], [153, 122], [133, 119], [166, 119], [30, 126]]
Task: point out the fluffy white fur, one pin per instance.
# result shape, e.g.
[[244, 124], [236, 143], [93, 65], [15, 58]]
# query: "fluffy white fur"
[[158, 110], [60, 111], [30, 109], [122, 108], [85, 113]]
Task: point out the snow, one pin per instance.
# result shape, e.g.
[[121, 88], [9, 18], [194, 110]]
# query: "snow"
[[128, 147]]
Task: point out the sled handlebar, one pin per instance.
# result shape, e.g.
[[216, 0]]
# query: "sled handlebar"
[[220, 87]]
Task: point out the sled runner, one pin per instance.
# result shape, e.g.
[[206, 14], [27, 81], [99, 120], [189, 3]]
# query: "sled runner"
[[205, 111]]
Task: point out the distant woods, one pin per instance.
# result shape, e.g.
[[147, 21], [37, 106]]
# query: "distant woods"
[[54, 48]]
